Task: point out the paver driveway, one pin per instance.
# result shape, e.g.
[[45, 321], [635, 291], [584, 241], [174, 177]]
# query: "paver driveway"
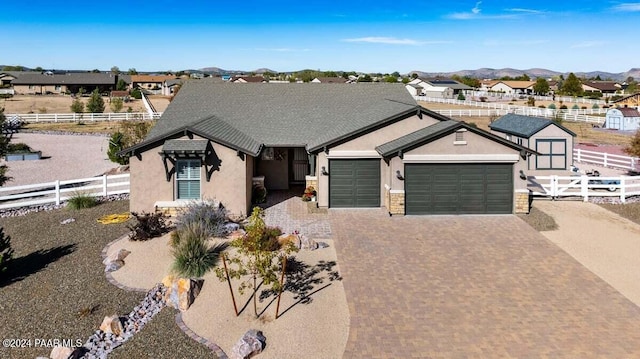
[[473, 287]]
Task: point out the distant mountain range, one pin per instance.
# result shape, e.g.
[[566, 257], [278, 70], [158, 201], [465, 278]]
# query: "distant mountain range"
[[483, 73], [488, 73]]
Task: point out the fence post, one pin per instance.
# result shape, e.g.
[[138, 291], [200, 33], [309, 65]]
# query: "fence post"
[[622, 189], [57, 192], [605, 159], [554, 187], [584, 187], [104, 185]]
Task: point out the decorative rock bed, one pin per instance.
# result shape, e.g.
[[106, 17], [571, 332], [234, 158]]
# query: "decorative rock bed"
[[23, 211]]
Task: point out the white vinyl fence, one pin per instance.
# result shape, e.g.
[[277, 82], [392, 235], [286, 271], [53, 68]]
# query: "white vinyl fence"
[[76, 117], [527, 111], [58, 191], [606, 159], [584, 186]]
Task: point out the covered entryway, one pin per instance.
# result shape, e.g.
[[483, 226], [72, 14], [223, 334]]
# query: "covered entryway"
[[354, 183], [459, 188]]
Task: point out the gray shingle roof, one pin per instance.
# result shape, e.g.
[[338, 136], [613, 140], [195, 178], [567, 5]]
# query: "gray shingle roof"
[[421, 135], [66, 79], [523, 126], [312, 115], [178, 146]]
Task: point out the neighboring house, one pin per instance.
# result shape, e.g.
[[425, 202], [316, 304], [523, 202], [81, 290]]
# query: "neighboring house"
[[329, 80], [37, 83], [248, 79], [368, 146], [428, 89], [456, 86], [631, 101], [623, 119], [124, 95], [151, 84], [552, 142], [169, 86], [512, 87], [607, 88]]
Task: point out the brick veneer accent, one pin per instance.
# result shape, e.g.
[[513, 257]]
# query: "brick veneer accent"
[[396, 202], [522, 201], [311, 181]]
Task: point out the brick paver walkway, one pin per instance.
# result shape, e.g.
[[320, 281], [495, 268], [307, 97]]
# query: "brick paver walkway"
[[289, 212], [473, 287]]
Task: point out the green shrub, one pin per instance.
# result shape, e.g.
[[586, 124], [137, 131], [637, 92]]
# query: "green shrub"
[[270, 239], [461, 97], [18, 148], [135, 93], [575, 107], [6, 252], [209, 215], [147, 226], [552, 106], [82, 200], [595, 106], [192, 255], [116, 144]]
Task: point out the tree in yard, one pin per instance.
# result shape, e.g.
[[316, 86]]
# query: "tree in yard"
[[121, 85], [365, 78], [132, 71], [255, 258], [95, 71], [95, 103], [77, 106], [541, 87], [633, 149], [128, 134], [4, 147], [572, 86], [390, 79], [116, 104], [115, 70]]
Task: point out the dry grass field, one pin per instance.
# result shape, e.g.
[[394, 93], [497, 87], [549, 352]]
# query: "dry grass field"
[[62, 104], [584, 131]]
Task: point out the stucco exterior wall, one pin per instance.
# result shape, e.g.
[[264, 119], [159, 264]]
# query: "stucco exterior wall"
[[385, 134], [229, 183]]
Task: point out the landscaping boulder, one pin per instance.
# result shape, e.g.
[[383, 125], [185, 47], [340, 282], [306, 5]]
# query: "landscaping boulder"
[[181, 292], [286, 239], [60, 352], [113, 325], [115, 261], [251, 343], [308, 243], [237, 234]]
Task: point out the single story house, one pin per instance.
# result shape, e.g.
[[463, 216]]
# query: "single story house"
[[623, 119], [512, 87], [552, 142], [456, 86], [248, 79], [366, 145], [50, 83], [607, 88], [414, 89], [428, 89], [151, 84]]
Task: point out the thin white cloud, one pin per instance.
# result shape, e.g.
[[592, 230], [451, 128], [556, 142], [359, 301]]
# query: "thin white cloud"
[[587, 44], [627, 7], [476, 13], [525, 11], [393, 41], [476, 9], [282, 49]]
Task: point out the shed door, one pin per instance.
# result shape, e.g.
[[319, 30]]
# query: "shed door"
[[354, 183], [553, 154], [454, 188]]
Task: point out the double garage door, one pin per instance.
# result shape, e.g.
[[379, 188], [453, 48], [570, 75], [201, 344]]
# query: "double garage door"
[[469, 188]]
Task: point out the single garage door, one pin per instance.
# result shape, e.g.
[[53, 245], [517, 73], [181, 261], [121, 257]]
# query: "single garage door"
[[470, 188], [354, 183]]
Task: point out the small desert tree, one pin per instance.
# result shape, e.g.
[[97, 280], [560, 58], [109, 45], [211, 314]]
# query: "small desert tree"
[[254, 258], [633, 149], [77, 106], [129, 134], [95, 103], [116, 104]]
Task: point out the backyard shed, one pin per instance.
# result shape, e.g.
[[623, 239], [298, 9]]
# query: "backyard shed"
[[623, 119], [552, 142]]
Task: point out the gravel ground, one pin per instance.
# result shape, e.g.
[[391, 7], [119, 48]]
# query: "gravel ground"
[[65, 157], [57, 273]]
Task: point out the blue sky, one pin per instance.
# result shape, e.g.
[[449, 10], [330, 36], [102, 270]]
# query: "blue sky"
[[370, 36]]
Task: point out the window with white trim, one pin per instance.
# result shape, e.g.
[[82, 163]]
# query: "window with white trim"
[[188, 179]]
